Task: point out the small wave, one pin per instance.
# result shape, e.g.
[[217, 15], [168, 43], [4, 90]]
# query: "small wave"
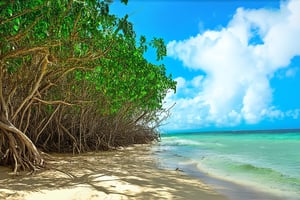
[[238, 165], [181, 142], [252, 168], [250, 174]]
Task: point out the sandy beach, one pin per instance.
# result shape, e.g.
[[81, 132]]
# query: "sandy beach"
[[131, 173]]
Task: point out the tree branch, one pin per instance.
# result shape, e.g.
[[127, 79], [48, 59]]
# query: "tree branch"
[[20, 14], [53, 102], [3, 105], [44, 62]]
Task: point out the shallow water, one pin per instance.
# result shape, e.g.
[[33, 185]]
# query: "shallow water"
[[265, 161]]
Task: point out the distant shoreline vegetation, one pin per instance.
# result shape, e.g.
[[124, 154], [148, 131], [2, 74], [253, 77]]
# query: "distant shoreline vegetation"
[[270, 131]]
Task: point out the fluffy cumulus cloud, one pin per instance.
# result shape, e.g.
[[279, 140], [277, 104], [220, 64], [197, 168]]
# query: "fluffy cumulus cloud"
[[238, 62]]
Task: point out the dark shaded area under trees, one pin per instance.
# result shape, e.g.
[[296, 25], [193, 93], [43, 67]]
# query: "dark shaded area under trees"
[[73, 78]]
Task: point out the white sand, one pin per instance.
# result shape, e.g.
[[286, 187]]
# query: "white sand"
[[127, 174]]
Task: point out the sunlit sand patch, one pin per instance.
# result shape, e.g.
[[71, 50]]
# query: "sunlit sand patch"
[[127, 174]]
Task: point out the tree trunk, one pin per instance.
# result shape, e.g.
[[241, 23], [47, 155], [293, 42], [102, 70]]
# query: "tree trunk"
[[17, 150]]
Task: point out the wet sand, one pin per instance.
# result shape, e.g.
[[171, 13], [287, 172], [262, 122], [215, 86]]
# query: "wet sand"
[[131, 173], [235, 191]]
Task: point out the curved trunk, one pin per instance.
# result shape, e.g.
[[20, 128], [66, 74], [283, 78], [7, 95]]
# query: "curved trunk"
[[17, 149]]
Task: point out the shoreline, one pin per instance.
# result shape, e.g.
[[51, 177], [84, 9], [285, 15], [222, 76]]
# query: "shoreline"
[[131, 173], [231, 190]]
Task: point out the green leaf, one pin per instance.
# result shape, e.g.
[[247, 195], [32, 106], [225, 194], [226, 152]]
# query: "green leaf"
[[16, 27], [10, 11], [124, 1], [17, 21], [2, 3]]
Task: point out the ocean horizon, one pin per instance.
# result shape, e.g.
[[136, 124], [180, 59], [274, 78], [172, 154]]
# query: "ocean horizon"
[[199, 131], [265, 160]]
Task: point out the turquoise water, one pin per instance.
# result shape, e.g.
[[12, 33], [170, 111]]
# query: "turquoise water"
[[266, 161]]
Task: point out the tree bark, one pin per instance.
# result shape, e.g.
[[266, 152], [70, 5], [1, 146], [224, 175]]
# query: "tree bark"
[[21, 153]]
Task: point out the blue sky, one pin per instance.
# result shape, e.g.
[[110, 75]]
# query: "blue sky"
[[236, 63]]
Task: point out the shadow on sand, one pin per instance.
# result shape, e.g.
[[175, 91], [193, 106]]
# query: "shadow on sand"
[[131, 173]]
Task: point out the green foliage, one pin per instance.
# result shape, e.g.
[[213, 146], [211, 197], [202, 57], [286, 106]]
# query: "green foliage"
[[99, 51], [159, 45], [124, 1]]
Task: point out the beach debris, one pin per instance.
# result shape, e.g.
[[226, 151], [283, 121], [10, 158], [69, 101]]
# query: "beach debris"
[[178, 170]]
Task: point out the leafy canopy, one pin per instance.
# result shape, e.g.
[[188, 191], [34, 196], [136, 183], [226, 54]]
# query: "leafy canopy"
[[99, 51]]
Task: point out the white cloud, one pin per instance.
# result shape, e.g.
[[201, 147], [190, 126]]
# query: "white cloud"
[[291, 72], [293, 113], [236, 85]]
